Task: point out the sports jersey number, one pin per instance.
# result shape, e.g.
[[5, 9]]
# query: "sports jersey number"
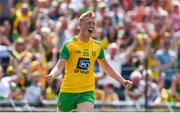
[[86, 52], [83, 63]]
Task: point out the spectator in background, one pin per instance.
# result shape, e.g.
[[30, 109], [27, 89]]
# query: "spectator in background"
[[108, 31], [4, 48], [4, 89], [117, 15], [127, 43], [178, 58], [16, 93], [49, 93], [62, 31], [43, 6], [33, 93], [54, 9], [8, 29], [5, 84], [115, 61], [36, 43], [151, 62], [175, 85], [87, 6], [152, 65], [175, 15], [52, 89], [37, 65], [99, 95], [136, 94], [166, 4], [110, 94], [166, 59], [21, 51], [23, 14], [6, 10], [138, 12], [101, 12], [22, 31], [153, 90], [175, 89]]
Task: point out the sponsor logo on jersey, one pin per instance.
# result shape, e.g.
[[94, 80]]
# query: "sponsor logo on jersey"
[[83, 63], [85, 52], [81, 71]]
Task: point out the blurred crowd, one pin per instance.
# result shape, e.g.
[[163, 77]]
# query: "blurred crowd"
[[141, 39]]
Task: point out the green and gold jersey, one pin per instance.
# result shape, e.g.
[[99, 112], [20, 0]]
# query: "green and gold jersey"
[[79, 69]]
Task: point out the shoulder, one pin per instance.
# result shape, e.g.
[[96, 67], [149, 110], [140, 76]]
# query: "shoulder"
[[159, 52], [71, 41], [96, 42], [172, 53]]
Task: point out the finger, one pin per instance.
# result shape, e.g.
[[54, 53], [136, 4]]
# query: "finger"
[[129, 86], [48, 79], [130, 81], [47, 76]]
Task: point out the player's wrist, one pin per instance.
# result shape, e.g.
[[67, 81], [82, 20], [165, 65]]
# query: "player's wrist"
[[124, 83], [52, 75]]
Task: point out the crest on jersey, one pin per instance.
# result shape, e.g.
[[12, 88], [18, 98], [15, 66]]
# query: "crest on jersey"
[[93, 53]]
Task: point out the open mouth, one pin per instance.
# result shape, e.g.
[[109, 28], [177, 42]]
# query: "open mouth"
[[90, 30]]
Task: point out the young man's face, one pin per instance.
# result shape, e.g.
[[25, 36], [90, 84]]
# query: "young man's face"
[[87, 25], [167, 45]]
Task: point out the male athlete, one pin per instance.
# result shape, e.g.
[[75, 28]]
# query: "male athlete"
[[78, 56]]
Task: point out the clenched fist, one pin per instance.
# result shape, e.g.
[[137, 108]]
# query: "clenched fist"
[[128, 84]]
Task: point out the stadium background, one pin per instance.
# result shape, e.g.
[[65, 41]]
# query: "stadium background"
[[140, 38]]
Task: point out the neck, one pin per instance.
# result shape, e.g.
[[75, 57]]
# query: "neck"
[[166, 50], [83, 37]]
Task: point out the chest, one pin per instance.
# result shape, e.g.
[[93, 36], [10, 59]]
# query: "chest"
[[35, 91], [165, 58], [84, 51]]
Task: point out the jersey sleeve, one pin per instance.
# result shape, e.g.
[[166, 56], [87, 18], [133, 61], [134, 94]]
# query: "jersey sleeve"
[[101, 55], [64, 52]]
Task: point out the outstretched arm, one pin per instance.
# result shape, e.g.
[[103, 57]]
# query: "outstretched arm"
[[112, 73], [56, 70]]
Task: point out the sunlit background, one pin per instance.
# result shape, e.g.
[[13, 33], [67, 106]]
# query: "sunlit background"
[[141, 39]]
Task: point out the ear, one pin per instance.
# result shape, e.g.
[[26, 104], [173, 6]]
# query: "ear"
[[79, 24]]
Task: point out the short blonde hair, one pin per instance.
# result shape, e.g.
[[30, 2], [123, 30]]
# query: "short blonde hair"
[[87, 14]]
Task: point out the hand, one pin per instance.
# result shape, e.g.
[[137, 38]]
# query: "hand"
[[55, 50], [128, 84], [49, 78]]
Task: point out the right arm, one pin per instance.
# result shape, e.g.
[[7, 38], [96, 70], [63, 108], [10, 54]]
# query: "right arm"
[[57, 69], [64, 55]]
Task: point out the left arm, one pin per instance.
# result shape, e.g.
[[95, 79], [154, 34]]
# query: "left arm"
[[112, 73]]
